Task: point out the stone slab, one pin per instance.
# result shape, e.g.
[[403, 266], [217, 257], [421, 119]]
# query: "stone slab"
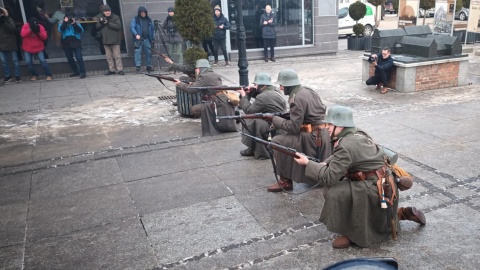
[[211, 156], [62, 88], [119, 245], [11, 257], [64, 101], [63, 180], [49, 217], [197, 228], [12, 224], [15, 188], [180, 190]]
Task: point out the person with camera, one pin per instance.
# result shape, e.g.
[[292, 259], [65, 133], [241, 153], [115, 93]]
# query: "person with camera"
[[111, 27], [174, 39], [220, 35], [142, 30], [267, 100], [8, 46], [71, 30], [34, 35], [358, 185], [268, 20], [383, 68]]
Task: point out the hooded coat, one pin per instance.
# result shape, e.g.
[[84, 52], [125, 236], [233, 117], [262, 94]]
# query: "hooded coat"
[[137, 24], [221, 33], [7, 34]]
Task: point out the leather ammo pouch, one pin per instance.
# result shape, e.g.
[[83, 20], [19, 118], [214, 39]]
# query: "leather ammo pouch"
[[306, 128], [318, 136]]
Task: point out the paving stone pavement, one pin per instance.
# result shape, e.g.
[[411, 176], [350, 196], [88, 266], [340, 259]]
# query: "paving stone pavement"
[[100, 173]]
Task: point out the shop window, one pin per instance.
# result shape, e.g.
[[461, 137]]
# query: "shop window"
[[294, 22], [49, 12]]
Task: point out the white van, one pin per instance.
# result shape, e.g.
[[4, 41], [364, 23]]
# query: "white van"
[[346, 23]]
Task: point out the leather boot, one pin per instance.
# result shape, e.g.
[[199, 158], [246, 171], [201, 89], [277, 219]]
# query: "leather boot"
[[266, 59], [384, 90], [379, 86], [273, 59], [411, 213], [247, 152], [283, 184], [341, 242]]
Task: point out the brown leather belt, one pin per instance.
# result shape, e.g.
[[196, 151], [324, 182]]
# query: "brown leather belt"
[[310, 128], [361, 176]]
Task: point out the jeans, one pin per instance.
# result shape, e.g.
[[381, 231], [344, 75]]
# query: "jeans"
[[6, 66], [269, 42], [219, 43], [78, 54], [145, 45], [43, 62]]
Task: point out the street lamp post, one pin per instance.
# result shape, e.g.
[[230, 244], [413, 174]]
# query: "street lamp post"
[[242, 51]]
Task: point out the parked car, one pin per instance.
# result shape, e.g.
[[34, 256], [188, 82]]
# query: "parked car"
[[462, 14], [346, 23], [389, 8]]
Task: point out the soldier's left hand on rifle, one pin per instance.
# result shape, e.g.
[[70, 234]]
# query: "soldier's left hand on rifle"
[[168, 60], [301, 159], [244, 92]]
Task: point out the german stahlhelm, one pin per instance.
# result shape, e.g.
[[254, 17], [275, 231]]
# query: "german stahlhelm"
[[288, 77], [339, 116], [202, 63], [262, 79]]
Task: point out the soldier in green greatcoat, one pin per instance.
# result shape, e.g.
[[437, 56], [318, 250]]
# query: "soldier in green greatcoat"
[[352, 203]]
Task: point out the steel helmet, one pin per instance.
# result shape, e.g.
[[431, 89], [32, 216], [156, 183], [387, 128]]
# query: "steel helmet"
[[262, 79], [288, 77], [202, 63], [340, 116]]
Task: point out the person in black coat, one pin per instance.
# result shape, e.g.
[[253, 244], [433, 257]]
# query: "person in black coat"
[[268, 22], [383, 69], [220, 34]]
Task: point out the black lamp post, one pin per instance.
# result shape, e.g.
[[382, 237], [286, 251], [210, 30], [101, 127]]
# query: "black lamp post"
[[242, 51]]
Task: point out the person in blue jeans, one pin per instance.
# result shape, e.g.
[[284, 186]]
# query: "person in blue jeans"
[[33, 35], [143, 37], [8, 46], [72, 45]]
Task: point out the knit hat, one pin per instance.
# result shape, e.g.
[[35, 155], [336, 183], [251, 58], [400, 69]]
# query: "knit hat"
[[217, 7], [106, 8], [171, 9]]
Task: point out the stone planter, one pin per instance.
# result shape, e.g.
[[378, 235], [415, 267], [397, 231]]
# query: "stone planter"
[[356, 43]]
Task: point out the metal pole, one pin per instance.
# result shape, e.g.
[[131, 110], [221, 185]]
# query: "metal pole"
[[242, 51]]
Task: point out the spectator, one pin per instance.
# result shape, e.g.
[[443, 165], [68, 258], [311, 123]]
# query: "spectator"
[[97, 34], [383, 68], [71, 30], [56, 18], [220, 35], [143, 36], [268, 22], [34, 35], [8, 46], [111, 28], [174, 39]]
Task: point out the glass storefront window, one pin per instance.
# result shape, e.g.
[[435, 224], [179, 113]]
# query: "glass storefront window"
[[294, 22], [49, 12]]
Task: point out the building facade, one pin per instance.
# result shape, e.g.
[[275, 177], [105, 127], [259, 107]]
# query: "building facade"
[[305, 27]]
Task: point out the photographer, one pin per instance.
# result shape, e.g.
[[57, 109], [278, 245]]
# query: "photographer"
[[34, 35], [383, 68], [220, 34], [268, 21], [111, 27], [174, 39], [8, 46], [71, 30]]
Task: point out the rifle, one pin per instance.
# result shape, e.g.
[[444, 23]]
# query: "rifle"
[[157, 23], [285, 115], [190, 72], [167, 78], [219, 88], [280, 148]]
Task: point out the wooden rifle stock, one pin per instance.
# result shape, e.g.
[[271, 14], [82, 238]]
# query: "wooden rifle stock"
[[256, 116], [161, 77], [280, 148]]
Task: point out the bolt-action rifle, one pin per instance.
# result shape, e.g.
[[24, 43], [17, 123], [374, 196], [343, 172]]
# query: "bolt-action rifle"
[[264, 116], [219, 88], [280, 148], [162, 77]]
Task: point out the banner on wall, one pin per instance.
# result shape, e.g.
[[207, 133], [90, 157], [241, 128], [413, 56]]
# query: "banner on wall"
[[66, 3], [444, 15], [407, 12], [474, 17]]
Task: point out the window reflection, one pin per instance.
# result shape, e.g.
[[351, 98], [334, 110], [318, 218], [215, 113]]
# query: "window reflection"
[[292, 28]]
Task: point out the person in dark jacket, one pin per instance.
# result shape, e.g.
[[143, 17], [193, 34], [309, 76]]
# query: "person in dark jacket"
[[143, 36], [216, 103], [351, 177], [383, 68], [269, 35], [71, 30], [111, 28], [174, 39], [220, 34], [267, 100], [8, 46]]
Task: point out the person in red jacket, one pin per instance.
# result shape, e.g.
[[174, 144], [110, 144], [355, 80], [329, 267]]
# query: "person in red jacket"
[[33, 35]]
